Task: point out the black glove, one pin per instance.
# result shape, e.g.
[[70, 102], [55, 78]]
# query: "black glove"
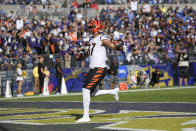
[[119, 48], [80, 55], [122, 48]]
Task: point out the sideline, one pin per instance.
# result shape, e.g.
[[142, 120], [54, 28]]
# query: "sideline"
[[155, 89], [72, 94]]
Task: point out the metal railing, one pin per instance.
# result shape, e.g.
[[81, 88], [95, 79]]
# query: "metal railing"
[[30, 62], [53, 12], [28, 82]]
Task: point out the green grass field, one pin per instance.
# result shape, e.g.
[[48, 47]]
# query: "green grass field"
[[131, 118], [174, 95]]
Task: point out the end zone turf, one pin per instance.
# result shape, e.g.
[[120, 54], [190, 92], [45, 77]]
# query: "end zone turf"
[[180, 94]]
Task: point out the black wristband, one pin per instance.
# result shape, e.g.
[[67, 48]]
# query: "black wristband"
[[119, 48]]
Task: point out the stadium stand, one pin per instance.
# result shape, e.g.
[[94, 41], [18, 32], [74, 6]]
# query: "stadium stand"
[[156, 36], [154, 33]]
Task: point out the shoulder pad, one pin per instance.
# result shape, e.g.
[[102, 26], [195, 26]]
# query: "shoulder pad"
[[103, 37]]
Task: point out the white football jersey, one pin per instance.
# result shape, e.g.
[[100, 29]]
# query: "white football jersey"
[[97, 52]]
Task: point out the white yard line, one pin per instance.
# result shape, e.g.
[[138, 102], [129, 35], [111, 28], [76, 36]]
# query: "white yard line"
[[105, 102], [27, 97], [155, 89], [72, 94], [112, 127]]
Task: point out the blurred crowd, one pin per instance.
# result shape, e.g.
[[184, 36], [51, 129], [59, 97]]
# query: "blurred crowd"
[[24, 2], [109, 2], [152, 34]]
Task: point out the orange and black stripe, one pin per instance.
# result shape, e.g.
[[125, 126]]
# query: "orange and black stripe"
[[94, 77]]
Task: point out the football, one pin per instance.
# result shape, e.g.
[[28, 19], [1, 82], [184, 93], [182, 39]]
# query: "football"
[[79, 56]]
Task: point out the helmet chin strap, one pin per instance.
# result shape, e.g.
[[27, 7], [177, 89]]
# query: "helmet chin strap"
[[95, 34]]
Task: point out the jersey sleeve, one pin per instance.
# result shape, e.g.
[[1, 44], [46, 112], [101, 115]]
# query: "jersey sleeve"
[[105, 37]]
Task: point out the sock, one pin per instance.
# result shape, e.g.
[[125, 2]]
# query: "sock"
[[103, 92], [86, 101]]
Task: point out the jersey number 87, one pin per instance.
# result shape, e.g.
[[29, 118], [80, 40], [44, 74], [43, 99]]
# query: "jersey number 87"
[[90, 51]]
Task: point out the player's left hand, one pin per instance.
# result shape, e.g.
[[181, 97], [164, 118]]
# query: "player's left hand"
[[122, 48], [79, 56]]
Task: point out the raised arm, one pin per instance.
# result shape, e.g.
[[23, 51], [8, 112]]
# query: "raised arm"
[[109, 44]]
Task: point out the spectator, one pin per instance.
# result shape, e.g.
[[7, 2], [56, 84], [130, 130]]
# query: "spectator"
[[146, 8], [183, 64], [19, 79], [131, 15], [155, 78], [75, 4], [36, 80], [163, 9], [11, 15], [133, 6], [34, 10], [47, 74], [67, 59], [143, 80], [41, 74], [146, 80], [59, 75], [170, 53], [113, 73], [64, 4], [152, 38], [19, 23], [79, 15], [87, 4]]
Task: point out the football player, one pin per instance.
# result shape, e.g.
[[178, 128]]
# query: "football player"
[[97, 65]]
